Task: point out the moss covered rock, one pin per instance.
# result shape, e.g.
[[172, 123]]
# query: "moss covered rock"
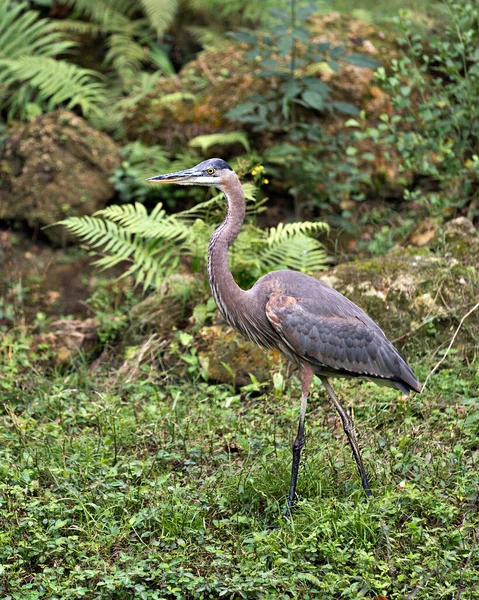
[[227, 357], [66, 339], [52, 167], [419, 295]]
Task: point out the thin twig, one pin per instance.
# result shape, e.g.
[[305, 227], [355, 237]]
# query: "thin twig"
[[206, 70], [426, 321], [475, 307]]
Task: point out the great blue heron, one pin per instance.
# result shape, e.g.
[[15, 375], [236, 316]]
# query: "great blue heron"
[[313, 325]]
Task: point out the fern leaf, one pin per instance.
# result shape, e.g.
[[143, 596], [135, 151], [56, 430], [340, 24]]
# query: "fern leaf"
[[160, 13], [150, 259], [135, 219], [23, 33], [81, 27], [125, 54], [290, 246], [285, 231], [301, 253], [110, 16], [56, 82], [231, 137]]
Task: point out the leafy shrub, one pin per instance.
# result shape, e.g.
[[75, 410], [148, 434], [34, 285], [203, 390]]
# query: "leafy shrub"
[[435, 94], [286, 55], [279, 56]]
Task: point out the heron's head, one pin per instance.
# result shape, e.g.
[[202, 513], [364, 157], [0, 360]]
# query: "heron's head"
[[212, 172]]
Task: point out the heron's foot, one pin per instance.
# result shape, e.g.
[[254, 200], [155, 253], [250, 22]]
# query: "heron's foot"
[[288, 510]]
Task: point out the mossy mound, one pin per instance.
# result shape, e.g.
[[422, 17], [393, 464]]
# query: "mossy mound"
[[419, 295], [228, 358], [52, 167], [196, 102]]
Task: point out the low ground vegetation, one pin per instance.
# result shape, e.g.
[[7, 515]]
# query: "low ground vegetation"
[[157, 487]]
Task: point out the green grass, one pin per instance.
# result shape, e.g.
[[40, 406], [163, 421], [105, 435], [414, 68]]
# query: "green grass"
[[163, 488]]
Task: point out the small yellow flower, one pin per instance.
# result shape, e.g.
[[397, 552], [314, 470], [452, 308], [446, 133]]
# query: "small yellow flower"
[[265, 180]]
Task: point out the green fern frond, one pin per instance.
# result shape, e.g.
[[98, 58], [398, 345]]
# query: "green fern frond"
[[134, 218], [160, 13], [30, 77], [298, 252], [205, 142], [110, 16], [55, 82], [285, 231], [80, 27], [125, 54], [23, 33], [154, 243], [95, 232], [290, 246], [124, 32], [151, 259]]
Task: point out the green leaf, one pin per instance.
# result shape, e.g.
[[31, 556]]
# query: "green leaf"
[[333, 65], [285, 44], [245, 37], [361, 60], [346, 108], [290, 89], [337, 51], [313, 99], [316, 85]]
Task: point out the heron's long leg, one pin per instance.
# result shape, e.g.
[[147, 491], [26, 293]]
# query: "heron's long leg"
[[305, 375], [348, 427]]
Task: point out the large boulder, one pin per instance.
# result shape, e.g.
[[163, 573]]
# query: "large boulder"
[[52, 167]]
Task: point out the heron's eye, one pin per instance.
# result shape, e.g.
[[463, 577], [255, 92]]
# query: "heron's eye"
[[210, 171]]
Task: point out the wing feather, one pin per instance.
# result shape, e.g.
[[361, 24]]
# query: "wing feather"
[[345, 344]]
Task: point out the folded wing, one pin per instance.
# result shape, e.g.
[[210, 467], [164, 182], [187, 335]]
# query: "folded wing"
[[338, 343]]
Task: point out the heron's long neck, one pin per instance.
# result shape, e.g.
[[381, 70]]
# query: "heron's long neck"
[[226, 291]]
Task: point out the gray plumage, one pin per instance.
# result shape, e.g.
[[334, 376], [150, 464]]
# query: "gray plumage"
[[313, 325]]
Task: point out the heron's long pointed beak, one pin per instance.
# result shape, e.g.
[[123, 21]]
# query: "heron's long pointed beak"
[[178, 177]]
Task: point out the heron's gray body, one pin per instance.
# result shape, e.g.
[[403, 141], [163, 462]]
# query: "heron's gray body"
[[312, 324]]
